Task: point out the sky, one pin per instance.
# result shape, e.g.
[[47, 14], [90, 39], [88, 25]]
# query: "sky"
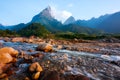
[[21, 11]]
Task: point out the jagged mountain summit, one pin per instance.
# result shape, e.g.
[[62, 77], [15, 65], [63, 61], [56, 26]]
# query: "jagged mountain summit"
[[70, 20], [46, 13], [47, 19]]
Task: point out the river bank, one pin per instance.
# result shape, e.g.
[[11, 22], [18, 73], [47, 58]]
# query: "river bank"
[[69, 60]]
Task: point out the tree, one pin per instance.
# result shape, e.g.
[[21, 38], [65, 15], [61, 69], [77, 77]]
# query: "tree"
[[35, 29]]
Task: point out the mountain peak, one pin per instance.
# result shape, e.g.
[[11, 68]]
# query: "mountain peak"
[[71, 19], [49, 7], [47, 12]]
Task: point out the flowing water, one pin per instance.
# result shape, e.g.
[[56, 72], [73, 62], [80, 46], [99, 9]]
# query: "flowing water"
[[96, 66]]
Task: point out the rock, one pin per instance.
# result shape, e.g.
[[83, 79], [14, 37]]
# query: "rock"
[[30, 40], [6, 39], [32, 37], [39, 55], [30, 50], [1, 67], [65, 57], [36, 75], [6, 78], [27, 78], [59, 47], [14, 60], [3, 75], [17, 39], [76, 77], [35, 67], [50, 75], [5, 58], [45, 47], [9, 50], [4, 67]]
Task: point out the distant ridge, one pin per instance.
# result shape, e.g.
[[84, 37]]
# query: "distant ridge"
[[2, 27], [70, 20], [109, 23]]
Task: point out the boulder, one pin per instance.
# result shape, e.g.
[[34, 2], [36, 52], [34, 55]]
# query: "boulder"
[[45, 47], [9, 50], [50, 75], [59, 46], [1, 67], [5, 58], [35, 75], [35, 67], [3, 76], [17, 39], [30, 41], [4, 67]]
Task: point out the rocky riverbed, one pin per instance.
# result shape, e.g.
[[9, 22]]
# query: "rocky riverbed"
[[60, 59]]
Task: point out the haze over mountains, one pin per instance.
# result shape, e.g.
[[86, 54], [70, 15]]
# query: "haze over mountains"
[[109, 23]]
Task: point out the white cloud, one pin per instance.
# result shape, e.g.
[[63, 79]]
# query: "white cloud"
[[66, 14], [70, 5], [60, 15]]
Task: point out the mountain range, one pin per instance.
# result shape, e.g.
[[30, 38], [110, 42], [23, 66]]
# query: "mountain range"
[[109, 23], [2, 27]]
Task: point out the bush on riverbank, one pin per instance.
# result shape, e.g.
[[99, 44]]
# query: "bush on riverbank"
[[7, 33]]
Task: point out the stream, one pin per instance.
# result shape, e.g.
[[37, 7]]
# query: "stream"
[[96, 66]]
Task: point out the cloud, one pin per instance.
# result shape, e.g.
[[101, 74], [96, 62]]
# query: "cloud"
[[70, 5], [61, 15], [66, 14]]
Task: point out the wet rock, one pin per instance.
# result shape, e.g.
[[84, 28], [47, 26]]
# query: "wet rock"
[[3, 75], [39, 55], [6, 78], [64, 56], [27, 57], [1, 67], [27, 78], [4, 67], [9, 50], [76, 77], [30, 50], [14, 60], [5, 58], [36, 75], [59, 47], [45, 47], [35, 67], [22, 68], [50, 75], [6, 39]]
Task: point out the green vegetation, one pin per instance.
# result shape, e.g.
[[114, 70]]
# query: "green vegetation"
[[7, 33], [70, 35], [38, 30], [35, 29]]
